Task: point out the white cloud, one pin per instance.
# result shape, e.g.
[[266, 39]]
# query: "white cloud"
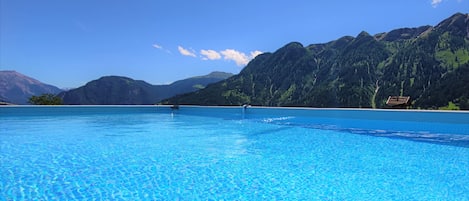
[[210, 54], [161, 48], [238, 57], [255, 53], [157, 46], [186, 52], [435, 3]]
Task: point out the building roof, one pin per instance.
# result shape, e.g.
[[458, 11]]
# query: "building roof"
[[398, 101]]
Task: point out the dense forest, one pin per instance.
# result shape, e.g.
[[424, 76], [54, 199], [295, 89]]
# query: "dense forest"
[[429, 63]]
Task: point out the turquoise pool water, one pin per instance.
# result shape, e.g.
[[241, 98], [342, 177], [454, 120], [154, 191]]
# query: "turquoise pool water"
[[198, 153]]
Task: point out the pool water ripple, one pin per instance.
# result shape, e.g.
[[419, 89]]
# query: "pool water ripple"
[[158, 156]]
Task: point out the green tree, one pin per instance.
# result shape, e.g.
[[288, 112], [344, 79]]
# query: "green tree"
[[45, 99]]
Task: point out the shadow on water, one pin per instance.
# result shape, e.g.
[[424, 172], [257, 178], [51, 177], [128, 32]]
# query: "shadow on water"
[[442, 139], [270, 131], [426, 137]]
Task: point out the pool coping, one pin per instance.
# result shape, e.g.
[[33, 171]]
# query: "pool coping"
[[249, 106]]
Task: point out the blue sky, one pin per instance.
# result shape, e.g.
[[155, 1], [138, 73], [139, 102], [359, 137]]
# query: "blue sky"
[[68, 43]]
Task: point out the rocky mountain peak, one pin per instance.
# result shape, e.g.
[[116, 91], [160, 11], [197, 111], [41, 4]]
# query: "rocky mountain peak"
[[457, 24], [18, 88]]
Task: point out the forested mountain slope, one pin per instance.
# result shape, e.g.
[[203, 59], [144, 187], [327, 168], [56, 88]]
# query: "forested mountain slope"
[[428, 63], [119, 90]]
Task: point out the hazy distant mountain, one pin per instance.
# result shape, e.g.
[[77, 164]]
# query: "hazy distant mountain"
[[430, 64], [117, 90], [17, 88], [194, 83]]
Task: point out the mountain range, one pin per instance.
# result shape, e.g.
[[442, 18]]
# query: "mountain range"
[[428, 63], [17, 88], [117, 90]]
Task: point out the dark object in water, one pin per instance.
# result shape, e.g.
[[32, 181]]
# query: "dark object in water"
[[175, 107]]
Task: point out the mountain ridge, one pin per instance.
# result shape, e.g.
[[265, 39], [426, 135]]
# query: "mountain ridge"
[[121, 90], [16, 88], [359, 71]]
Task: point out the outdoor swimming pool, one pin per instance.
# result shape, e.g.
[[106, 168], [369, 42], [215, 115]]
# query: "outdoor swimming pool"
[[204, 153]]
